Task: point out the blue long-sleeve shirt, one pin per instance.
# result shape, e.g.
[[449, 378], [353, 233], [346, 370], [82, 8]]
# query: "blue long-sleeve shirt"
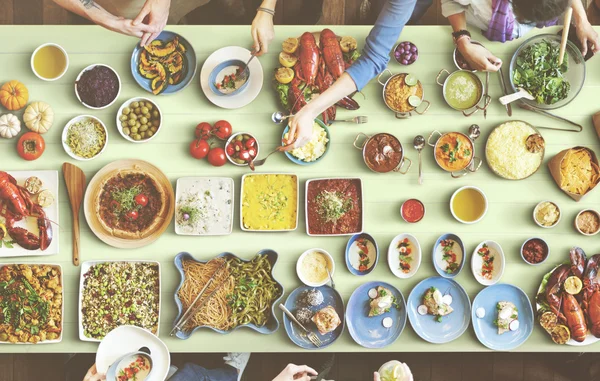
[[380, 41]]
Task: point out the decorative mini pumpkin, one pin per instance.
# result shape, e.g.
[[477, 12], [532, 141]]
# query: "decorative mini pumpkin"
[[10, 126], [38, 117], [14, 95]]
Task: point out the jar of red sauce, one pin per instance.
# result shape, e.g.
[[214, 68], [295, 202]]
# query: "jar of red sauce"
[[412, 210]]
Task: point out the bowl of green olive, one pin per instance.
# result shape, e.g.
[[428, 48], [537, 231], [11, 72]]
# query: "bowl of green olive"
[[139, 120]]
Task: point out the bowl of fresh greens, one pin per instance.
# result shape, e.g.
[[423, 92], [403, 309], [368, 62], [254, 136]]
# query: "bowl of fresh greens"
[[534, 67]]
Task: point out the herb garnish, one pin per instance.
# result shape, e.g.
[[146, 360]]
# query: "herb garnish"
[[333, 205], [126, 199]]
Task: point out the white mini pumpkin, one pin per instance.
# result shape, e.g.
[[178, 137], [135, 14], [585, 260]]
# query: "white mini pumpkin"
[[38, 117], [10, 126]]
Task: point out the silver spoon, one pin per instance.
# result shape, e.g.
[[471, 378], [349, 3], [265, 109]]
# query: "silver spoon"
[[278, 117], [474, 132], [330, 277], [419, 143]]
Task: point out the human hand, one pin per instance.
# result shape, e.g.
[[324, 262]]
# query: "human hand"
[[478, 57], [154, 14], [125, 26], [301, 129], [586, 34], [93, 375], [262, 32], [376, 377], [296, 372]]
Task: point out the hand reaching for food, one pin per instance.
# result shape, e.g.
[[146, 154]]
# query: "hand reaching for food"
[[301, 129], [296, 373], [478, 57], [93, 375], [154, 13], [262, 27], [588, 36]]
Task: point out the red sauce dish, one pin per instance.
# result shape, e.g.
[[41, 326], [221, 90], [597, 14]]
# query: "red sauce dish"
[[412, 210]]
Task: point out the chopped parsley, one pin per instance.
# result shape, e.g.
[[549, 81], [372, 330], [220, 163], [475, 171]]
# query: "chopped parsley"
[[333, 205], [126, 199]]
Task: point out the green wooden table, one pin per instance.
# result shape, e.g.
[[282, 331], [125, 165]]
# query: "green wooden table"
[[508, 221]]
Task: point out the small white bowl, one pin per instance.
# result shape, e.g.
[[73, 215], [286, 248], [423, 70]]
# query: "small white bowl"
[[547, 254], [231, 139], [499, 263], [393, 256], [66, 129], [126, 104], [484, 211], [557, 221], [577, 227], [89, 68], [299, 267], [66, 62]]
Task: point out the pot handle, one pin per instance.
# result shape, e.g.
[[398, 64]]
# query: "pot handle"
[[474, 167], [381, 75], [425, 109], [437, 79], [431, 135], [459, 174], [358, 137], [399, 168], [487, 102], [403, 115]]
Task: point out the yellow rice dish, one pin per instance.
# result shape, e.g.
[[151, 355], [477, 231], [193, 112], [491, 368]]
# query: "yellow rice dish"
[[270, 202]]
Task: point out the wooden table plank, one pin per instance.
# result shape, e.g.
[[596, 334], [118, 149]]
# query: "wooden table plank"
[[28, 12], [6, 12], [54, 14]]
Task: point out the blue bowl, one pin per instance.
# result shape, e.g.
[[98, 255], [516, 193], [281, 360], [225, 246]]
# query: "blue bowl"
[[487, 332], [462, 262], [330, 298], [272, 323], [369, 331], [189, 59], [294, 159], [212, 78], [347, 255]]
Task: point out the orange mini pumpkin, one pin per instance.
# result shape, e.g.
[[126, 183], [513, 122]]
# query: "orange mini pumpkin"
[[14, 95]]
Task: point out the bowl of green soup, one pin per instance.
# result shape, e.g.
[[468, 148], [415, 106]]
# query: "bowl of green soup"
[[463, 91]]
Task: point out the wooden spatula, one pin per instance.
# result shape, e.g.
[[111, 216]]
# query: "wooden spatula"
[[75, 181]]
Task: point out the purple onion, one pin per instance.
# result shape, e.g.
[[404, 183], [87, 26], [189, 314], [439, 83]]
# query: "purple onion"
[[413, 49], [406, 53], [186, 216], [404, 62]]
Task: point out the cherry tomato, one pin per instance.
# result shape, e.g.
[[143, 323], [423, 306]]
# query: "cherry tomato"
[[222, 129], [237, 145], [252, 152], [132, 215], [216, 157], [199, 148], [230, 149], [244, 155], [250, 143], [141, 199], [114, 205], [203, 131], [31, 146]]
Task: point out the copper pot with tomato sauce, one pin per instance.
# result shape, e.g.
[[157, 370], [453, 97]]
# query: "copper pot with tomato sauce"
[[454, 152], [382, 152], [396, 93]]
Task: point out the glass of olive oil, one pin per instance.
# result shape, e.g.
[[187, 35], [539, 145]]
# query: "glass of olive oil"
[[49, 62], [468, 205]]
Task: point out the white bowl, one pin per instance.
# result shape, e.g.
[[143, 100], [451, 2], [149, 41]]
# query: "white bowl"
[[66, 62], [499, 263], [484, 211], [231, 139], [539, 263], [66, 129], [393, 256], [299, 267], [89, 68], [127, 103], [577, 227], [557, 221]]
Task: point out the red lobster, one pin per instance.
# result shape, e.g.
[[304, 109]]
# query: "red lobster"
[[591, 294], [18, 205], [575, 317], [578, 259], [332, 53], [308, 58], [553, 290]]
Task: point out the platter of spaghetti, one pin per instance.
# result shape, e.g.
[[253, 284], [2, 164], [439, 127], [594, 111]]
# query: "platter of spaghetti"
[[243, 293]]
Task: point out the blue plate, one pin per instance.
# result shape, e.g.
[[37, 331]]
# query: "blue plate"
[[462, 262], [331, 298], [487, 332], [272, 323], [189, 62], [369, 331], [294, 159], [452, 325], [212, 78], [349, 260]]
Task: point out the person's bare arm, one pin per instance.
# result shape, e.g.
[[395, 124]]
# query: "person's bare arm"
[[155, 14], [585, 31], [262, 28], [478, 57]]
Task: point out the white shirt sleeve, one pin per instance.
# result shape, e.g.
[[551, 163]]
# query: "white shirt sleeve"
[[452, 7]]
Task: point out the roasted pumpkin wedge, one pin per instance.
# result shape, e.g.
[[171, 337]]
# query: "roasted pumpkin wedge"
[[181, 48], [174, 63], [148, 74], [161, 81], [146, 60], [162, 50], [176, 78]]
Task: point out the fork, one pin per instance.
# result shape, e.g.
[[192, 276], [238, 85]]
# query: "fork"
[[244, 73], [311, 335], [258, 163], [356, 119]]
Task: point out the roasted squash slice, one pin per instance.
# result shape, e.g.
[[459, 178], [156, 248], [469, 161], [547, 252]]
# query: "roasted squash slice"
[[174, 63], [162, 50], [181, 48], [146, 60], [161, 81], [148, 73], [176, 78]]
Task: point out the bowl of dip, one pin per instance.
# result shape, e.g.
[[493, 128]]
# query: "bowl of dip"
[[382, 153], [131, 367], [463, 91], [224, 78], [49, 62], [587, 222], [312, 267], [468, 205], [412, 210], [546, 214], [535, 251]]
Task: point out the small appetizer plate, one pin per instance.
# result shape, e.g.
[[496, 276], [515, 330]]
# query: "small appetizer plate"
[[330, 298], [456, 252], [362, 254], [492, 253], [453, 325], [487, 332], [408, 246], [371, 332]]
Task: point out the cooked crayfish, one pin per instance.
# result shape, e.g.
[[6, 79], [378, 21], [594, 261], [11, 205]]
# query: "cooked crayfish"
[[591, 294], [578, 259], [575, 317], [18, 205], [554, 290]]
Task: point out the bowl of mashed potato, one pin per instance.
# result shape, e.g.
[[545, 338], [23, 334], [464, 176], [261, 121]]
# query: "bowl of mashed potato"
[[312, 267], [313, 151]]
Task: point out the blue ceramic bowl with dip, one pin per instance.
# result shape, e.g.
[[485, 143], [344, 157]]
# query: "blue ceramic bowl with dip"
[[353, 257], [294, 159], [127, 360], [438, 255], [216, 74]]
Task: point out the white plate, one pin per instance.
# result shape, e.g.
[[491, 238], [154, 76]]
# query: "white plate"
[[85, 266], [499, 263], [62, 320], [50, 182], [127, 339], [393, 256], [186, 184], [255, 82]]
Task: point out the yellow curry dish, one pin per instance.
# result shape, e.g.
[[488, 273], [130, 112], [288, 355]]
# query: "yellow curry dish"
[[269, 202], [453, 151]]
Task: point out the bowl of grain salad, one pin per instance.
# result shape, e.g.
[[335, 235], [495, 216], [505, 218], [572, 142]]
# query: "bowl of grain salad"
[[403, 93], [84, 137]]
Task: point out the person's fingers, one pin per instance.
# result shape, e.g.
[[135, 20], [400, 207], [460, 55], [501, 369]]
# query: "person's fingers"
[[305, 369], [291, 135], [145, 38], [303, 377], [584, 45], [264, 43], [256, 46], [376, 376], [143, 13]]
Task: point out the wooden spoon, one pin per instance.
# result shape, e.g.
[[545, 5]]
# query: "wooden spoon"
[[75, 181]]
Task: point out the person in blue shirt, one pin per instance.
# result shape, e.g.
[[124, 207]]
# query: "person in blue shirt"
[[375, 57]]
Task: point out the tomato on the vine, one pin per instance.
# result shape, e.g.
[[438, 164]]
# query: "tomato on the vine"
[[203, 131], [199, 148], [31, 146], [222, 129], [141, 199], [216, 157]]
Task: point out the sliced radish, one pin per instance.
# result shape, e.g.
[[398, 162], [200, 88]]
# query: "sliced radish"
[[388, 322], [480, 312], [373, 293], [422, 309], [514, 325], [447, 299]]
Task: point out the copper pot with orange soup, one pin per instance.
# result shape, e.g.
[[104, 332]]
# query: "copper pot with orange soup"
[[454, 152]]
